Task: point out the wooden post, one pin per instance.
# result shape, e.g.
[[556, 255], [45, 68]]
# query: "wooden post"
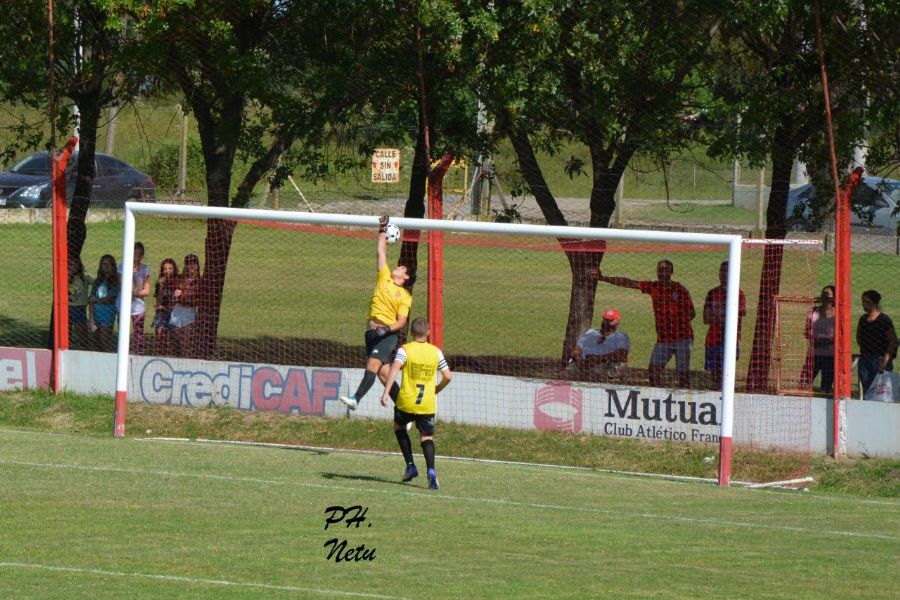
[[110, 143], [620, 198], [735, 181]]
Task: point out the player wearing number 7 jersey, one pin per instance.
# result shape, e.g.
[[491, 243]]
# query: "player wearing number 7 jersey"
[[417, 400]]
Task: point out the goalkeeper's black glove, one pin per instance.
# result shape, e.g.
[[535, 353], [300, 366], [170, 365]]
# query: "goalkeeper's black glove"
[[382, 223], [382, 330]]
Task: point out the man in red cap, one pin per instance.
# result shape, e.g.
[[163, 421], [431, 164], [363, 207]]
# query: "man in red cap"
[[601, 354]]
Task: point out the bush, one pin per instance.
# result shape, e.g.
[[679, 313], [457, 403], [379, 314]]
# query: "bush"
[[164, 167]]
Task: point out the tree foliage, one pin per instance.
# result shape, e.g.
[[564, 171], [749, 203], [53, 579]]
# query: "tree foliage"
[[276, 82], [93, 70], [619, 77]]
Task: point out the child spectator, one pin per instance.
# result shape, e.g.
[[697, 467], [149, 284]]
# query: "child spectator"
[[184, 313], [822, 333], [807, 374], [166, 284], [140, 289], [79, 292], [102, 304]]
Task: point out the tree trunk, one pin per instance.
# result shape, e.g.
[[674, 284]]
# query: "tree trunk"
[[531, 170], [783, 152], [219, 234], [583, 262], [219, 158], [261, 166], [76, 229], [88, 100], [414, 209]]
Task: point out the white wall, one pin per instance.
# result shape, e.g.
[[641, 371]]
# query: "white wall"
[[530, 404]]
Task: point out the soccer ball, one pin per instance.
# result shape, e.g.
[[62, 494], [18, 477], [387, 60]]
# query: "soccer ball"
[[392, 232]]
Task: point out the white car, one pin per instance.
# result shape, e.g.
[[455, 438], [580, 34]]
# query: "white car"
[[873, 207]]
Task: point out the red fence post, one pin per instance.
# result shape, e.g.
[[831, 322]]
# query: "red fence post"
[[843, 335], [58, 164], [436, 251]]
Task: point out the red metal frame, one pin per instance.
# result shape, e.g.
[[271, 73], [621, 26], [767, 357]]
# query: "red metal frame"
[[843, 335], [60, 259], [436, 251]]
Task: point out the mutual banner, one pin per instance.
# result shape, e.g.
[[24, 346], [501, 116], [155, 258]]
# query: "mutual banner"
[[634, 412]]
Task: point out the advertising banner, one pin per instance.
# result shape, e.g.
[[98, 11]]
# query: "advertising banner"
[[636, 412], [24, 368]]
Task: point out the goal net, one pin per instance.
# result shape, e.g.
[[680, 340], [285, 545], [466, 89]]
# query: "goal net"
[[268, 309]]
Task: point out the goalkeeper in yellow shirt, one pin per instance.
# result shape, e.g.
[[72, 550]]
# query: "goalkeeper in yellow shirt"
[[417, 400], [388, 313]]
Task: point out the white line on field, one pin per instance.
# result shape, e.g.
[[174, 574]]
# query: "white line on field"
[[191, 580], [486, 461], [564, 469], [42, 433], [420, 494]]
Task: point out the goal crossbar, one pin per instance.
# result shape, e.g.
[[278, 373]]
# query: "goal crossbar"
[[731, 242]]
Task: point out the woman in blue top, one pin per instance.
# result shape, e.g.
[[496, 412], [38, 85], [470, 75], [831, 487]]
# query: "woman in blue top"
[[103, 304]]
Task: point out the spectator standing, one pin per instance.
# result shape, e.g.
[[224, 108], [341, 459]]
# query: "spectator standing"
[[140, 289], [714, 316], [673, 311], [184, 312], [102, 304], [877, 340], [601, 354], [822, 333], [166, 284], [807, 375], [79, 293]]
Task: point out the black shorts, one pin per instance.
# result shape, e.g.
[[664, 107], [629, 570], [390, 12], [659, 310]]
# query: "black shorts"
[[424, 423], [383, 348]]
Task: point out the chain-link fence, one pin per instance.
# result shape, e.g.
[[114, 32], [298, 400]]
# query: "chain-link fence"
[[693, 116]]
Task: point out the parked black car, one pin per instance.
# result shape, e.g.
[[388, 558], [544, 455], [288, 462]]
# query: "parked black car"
[[27, 185]]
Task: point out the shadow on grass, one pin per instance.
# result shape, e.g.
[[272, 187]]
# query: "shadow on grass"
[[352, 477], [22, 334]]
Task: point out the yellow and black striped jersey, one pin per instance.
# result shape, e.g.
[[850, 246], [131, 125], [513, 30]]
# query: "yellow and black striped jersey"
[[421, 363]]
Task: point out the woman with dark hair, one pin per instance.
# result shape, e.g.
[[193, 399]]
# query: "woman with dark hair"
[[140, 289], [184, 313], [166, 284], [79, 292], [877, 340], [102, 304], [819, 349], [823, 344]]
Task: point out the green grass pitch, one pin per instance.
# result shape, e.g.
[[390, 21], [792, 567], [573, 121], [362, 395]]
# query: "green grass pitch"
[[88, 517]]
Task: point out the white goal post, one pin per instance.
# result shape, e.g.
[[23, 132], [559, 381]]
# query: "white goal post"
[[731, 242]]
